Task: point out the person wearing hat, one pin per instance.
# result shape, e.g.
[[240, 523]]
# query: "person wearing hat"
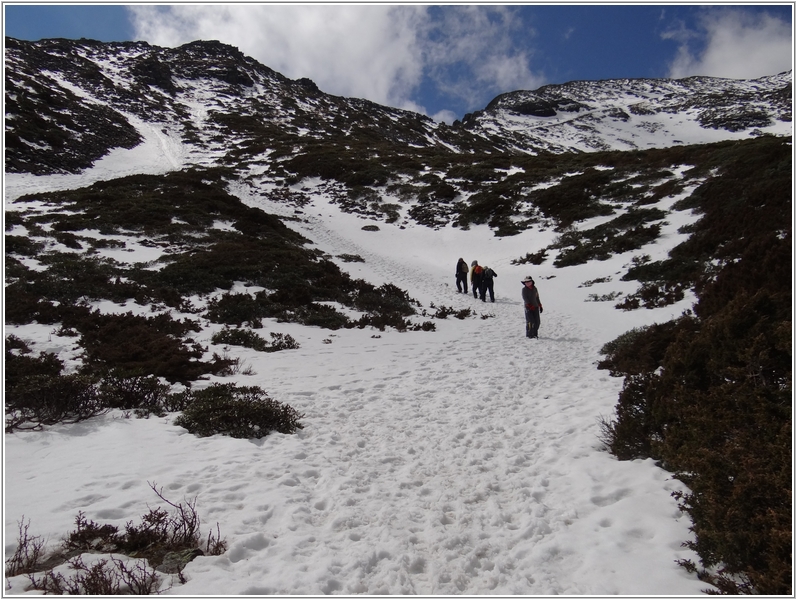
[[531, 301]]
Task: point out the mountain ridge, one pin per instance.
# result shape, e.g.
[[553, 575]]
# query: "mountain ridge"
[[221, 89], [634, 108]]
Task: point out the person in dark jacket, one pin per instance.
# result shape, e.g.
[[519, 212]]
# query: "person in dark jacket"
[[462, 276], [487, 284], [476, 274], [533, 306]]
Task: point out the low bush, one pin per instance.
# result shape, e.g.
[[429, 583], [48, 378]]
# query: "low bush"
[[709, 395], [250, 339], [351, 258], [654, 295], [22, 245], [314, 314], [382, 321], [28, 554], [19, 365], [385, 299], [167, 539], [443, 312], [534, 258], [104, 577], [144, 394], [282, 341], [37, 394], [625, 233], [145, 345], [237, 309], [240, 337], [245, 412], [39, 400]]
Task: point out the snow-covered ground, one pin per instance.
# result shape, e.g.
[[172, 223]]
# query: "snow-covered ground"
[[464, 461]]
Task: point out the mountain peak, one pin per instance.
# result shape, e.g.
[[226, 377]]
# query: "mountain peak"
[[70, 102]]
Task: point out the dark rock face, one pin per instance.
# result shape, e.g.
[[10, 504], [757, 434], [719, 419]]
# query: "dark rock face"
[[584, 111], [71, 102], [540, 108], [50, 128]]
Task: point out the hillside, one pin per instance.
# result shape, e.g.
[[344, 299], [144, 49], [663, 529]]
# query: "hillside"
[[190, 217]]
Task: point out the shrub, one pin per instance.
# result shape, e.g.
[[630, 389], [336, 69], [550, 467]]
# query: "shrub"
[[535, 258], [41, 400], [28, 553], [351, 258], [382, 321], [640, 350], [444, 312], [245, 412], [654, 295], [19, 366], [166, 539], [143, 393], [318, 315], [709, 394], [240, 337], [145, 345], [237, 309], [249, 339], [103, 578], [22, 245], [387, 298], [282, 341]]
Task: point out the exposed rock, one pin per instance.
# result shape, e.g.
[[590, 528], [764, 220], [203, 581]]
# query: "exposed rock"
[[174, 562]]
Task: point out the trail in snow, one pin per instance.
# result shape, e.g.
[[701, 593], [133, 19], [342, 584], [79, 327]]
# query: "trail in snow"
[[461, 461]]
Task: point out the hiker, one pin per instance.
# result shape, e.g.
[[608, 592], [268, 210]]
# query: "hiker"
[[476, 277], [487, 284], [462, 276], [533, 306]]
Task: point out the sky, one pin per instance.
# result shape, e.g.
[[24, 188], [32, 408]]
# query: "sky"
[[447, 60]]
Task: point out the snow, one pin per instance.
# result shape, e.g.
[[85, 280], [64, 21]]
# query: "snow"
[[665, 123], [465, 461]]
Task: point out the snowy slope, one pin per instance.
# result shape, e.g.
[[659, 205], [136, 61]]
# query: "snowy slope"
[[461, 461], [225, 107], [639, 114]]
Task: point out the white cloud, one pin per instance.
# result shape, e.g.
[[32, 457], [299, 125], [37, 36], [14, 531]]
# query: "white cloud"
[[445, 116], [384, 53], [348, 50], [471, 51], [738, 45]]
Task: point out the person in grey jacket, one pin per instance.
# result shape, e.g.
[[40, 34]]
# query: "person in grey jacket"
[[487, 284], [533, 307]]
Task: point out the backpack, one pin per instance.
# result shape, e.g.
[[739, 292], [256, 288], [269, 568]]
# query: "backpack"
[[477, 270]]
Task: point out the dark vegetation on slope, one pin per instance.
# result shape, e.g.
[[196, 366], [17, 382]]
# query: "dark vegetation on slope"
[[709, 394], [177, 213], [706, 394], [123, 355], [736, 259]]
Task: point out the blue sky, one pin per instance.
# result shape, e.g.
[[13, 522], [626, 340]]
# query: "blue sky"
[[446, 60]]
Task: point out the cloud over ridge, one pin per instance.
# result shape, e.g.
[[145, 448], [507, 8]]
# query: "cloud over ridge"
[[380, 52], [447, 60], [737, 45]]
